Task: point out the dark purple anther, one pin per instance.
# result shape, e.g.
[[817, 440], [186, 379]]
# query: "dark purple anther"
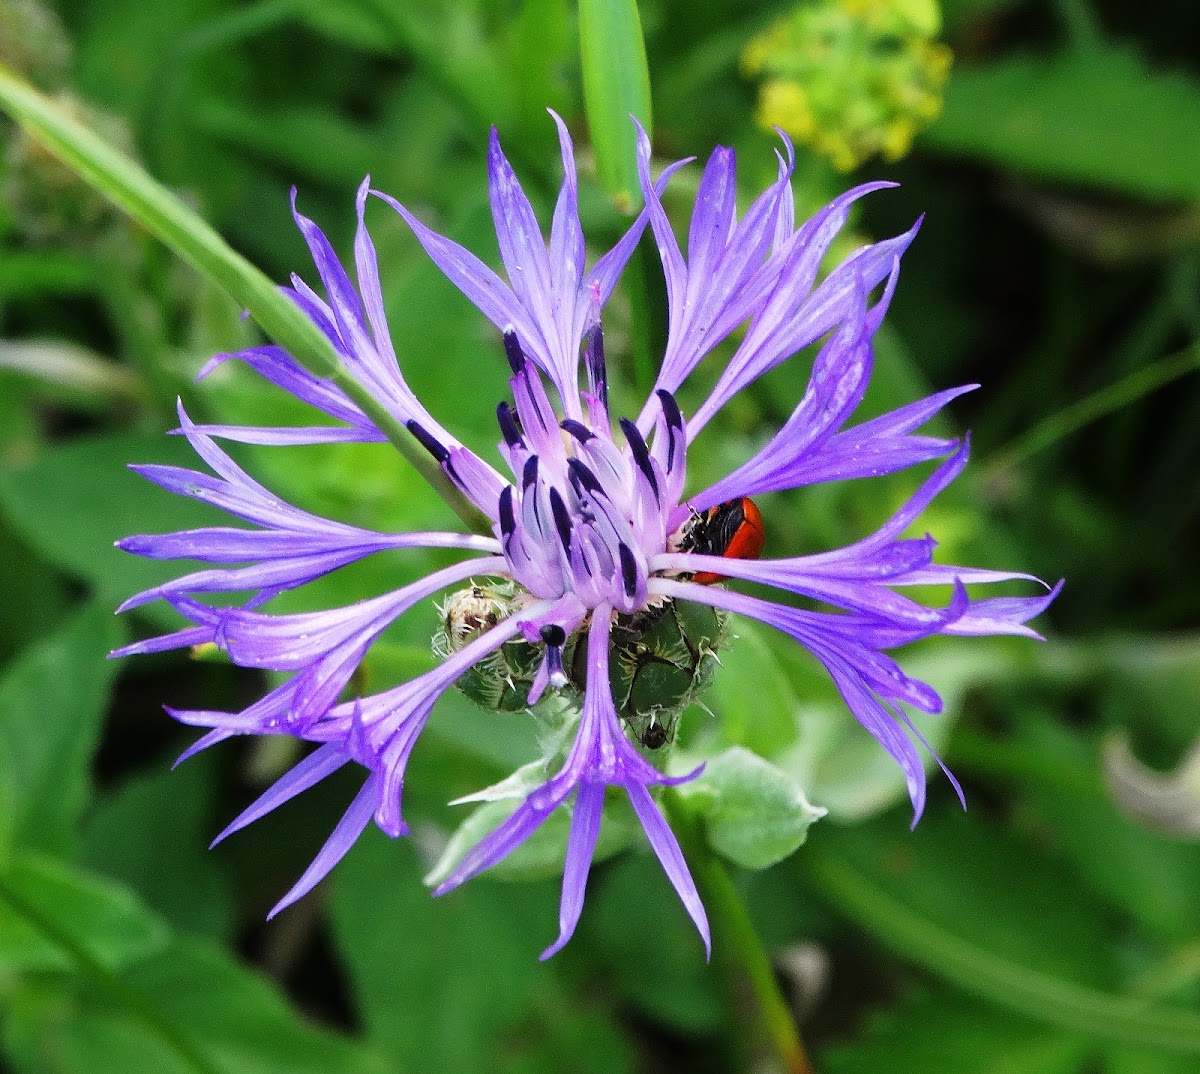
[[513, 351], [584, 477], [641, 454], [529, 475], [509, 428], [593, 356], [428, 442], [508, 519], [562, 519], [675, 425], [577, 429], [628, 570]]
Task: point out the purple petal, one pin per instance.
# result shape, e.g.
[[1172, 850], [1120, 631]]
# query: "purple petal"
[[348, 829], [666, 848], [472, 277], [581, 845], [322, 762]]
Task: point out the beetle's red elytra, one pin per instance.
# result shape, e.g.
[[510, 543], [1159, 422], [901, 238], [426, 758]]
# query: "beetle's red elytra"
[[733, 530]]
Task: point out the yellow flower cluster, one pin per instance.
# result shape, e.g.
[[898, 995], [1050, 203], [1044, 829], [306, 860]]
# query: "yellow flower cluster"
[[851, 78]]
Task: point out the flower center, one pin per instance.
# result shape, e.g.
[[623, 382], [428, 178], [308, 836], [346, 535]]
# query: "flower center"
[[584, 516]]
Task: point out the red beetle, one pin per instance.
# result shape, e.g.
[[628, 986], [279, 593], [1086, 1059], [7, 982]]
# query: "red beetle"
[[733, 530]]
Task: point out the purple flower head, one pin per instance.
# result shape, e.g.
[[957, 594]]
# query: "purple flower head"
[[593, 533]]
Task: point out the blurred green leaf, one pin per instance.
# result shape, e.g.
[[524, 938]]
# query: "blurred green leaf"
[[75, 501], [32, 585], [754, 701], [33, 272], [313, 142], [1143, 1061], [240, 1022], [153, 834], [52, 699], [104, 918], [352, 22], [616, 85], [134, 191], [638, 931], [945, 1032], [479, 943], [451, 45], [1098, 115], [152, 205], [981, 912], [975, 881], [754, 814], [69, 373], [1152, 878]]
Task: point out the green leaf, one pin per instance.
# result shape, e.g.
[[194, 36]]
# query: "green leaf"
[[944, 1031], [52, 699], [754, 814], [75, 501], [639, 932], [102, 917], [976, 911], [239, 1022], [616, 85], [1097, 115], [754, 701], [479, 944], [153, 834]]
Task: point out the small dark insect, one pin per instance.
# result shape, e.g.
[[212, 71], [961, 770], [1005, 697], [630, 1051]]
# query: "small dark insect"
[[655, 735], [733, 530]]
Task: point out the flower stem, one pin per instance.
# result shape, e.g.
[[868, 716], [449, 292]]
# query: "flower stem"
[[107, 981], [128, 186], [752, 990]]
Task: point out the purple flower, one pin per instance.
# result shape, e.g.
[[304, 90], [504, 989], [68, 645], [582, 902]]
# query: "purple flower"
[[593, 525]]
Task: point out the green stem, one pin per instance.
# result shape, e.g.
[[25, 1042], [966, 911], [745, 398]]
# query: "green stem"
[[135, 192], [751, 986], [118, 991], [1097, 405]]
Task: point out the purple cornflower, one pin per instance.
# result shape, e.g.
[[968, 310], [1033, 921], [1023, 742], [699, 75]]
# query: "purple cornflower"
[[593, 525]]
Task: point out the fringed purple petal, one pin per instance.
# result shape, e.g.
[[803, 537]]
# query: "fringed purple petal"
[[322, 762], [528, 817], [274, 364], [367, 266], [294, 436], [348, 829], [581, 845], [783, 328], [567, 250], [666, 849], [1003, 615], [486, 291]]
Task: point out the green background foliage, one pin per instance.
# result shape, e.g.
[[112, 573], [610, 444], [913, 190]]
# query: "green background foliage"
[[1053, 929]]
